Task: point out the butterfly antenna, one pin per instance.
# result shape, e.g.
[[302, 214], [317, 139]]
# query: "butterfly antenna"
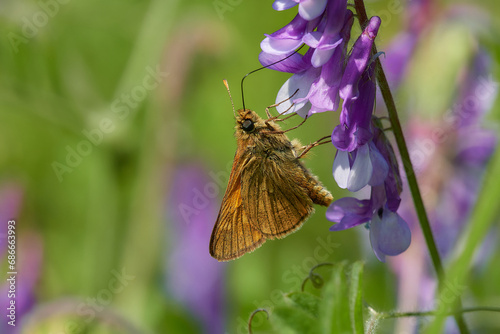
[[230, 97], [261, 68]]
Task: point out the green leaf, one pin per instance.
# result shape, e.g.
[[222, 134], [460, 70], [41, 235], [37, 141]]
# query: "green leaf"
[[355, 297], [305, 301], [334, 307], [338, 310], [291, 319]]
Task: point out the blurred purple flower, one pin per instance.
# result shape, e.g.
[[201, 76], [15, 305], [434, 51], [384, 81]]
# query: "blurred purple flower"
[[397, 56], [193, 276], [451, 173], [28, 261], [10, 203]]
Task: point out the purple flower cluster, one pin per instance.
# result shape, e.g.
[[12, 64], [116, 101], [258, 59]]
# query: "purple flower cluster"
[[323, 75], [325, 27]]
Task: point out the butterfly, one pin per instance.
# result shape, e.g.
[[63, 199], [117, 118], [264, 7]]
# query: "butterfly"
[[270, 192]]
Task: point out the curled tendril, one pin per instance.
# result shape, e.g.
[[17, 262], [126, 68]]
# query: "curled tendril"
[[316, 279], [252, 315]]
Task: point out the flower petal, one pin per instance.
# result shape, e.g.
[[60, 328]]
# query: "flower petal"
[[343, 138], [361, 170], [293, 64], [389, 234], [324, 92], [349, 212], [284, 4], [380, 166], [358, 60], [279, 46], [341, 168], [311, 9], [301, 82], [286, 39], [312, 39]]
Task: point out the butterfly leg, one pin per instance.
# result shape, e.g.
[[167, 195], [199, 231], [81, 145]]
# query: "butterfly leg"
[[271, 117], [321, 141], [293, 128]]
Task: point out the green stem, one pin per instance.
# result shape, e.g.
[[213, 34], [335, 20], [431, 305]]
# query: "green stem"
[[433, 313], [408, 167]]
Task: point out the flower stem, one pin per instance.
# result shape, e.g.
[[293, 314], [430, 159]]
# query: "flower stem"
[[408, 167], [390, 315]]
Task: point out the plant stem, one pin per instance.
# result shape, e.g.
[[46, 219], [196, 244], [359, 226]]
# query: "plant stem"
[[408, 167], [390, 315]]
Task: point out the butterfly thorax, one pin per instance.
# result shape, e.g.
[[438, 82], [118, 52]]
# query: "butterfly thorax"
[[263, 137]]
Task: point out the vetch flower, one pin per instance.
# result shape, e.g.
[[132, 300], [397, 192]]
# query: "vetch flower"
[[323, 75], [358, 161], [317, 87], [371, 162]]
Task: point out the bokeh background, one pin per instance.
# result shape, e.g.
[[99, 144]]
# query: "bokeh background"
[[116, 141]]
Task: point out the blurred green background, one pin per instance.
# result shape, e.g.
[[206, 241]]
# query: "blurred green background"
[[143, 80]]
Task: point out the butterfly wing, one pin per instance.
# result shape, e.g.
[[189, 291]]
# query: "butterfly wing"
[[233, 234], [275, 195]]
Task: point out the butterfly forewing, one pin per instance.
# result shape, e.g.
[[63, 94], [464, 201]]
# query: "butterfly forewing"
[[233, 235]]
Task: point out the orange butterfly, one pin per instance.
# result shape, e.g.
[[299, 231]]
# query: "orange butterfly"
[[270, 192]]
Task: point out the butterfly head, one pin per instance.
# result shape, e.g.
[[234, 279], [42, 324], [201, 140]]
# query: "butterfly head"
[[248, 121]]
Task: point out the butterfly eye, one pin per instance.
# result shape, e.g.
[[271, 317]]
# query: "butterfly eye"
[[248, 125]]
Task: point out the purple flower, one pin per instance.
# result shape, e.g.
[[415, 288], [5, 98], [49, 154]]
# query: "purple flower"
[[193, 276], [323, 75], [316, 87], [358, 161], [365, 157]]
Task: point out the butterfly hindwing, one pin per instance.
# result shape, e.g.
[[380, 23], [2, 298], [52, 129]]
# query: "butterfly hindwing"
[[275, 202]]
